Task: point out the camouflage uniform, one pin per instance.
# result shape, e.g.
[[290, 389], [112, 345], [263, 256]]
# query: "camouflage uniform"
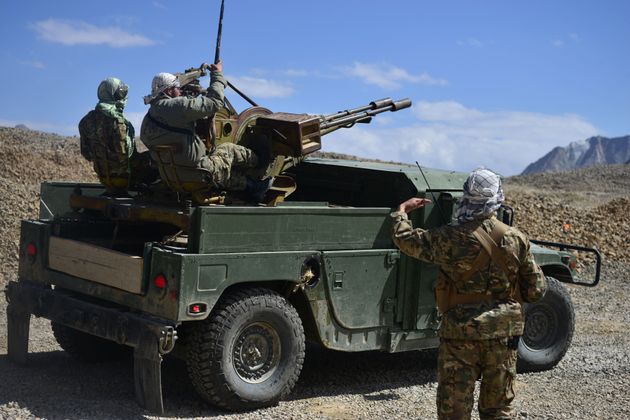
[[103, 142], [476, 340], [107, 140], [189, 153]]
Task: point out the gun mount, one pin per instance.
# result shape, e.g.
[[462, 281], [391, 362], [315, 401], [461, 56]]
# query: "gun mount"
[[300, 134], [292, 136]]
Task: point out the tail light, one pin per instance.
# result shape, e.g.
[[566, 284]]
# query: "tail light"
[[31, 250], [160, 281], [196, 309]]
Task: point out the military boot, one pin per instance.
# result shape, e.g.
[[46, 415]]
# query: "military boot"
[[256, 189]]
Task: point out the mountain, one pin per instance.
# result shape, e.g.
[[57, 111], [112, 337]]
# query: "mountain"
[[593, 151]]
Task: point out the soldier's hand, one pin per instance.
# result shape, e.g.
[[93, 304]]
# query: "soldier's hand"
[[412, 204], [217, 66]]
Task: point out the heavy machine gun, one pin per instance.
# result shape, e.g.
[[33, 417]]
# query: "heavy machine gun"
[[294, 135], [298, 135], [291, 136]]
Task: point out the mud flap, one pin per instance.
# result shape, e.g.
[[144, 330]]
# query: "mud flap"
[[147, 374], [18, 325]]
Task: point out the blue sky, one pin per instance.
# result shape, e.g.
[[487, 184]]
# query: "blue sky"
[[494, 83]]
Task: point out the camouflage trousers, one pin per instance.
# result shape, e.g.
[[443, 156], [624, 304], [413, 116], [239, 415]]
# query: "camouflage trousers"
[[227, 163], [461, 363]]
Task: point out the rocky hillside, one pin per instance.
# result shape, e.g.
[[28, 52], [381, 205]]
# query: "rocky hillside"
[[26, 159], [590, 152], [594, 201]]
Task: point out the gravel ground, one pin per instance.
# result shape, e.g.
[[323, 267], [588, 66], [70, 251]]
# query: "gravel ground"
[[592, 381]]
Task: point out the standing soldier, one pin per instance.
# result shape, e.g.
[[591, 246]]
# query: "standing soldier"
[[171, 123], [107, 140], [486, 271]]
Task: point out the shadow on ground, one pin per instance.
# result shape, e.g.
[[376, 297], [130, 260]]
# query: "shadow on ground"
[[54, 385]]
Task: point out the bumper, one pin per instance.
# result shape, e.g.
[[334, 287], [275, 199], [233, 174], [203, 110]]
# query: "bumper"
[[150, 337]]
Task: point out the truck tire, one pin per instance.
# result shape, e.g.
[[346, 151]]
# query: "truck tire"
[[549, 325], [249, 352], [86, 347]]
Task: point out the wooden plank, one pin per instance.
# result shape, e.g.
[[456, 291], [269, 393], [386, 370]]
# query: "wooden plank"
[[95, 263]]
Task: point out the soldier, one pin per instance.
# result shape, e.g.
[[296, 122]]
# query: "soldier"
[[486, 271], [107, 140], [171, 121]]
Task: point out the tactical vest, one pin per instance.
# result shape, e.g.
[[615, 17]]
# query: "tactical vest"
[[447, 296]]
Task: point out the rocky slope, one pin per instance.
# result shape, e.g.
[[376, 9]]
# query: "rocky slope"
[[590, 382], [581, 154], [594, 202], [26, 159]]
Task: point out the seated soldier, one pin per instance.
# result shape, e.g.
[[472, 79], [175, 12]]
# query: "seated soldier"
[[107, 140], [170, 126]]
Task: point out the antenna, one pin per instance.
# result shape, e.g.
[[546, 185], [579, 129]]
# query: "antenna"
[[432, 195]]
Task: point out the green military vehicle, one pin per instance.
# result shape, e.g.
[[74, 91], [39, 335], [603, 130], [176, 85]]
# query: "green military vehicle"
[[236, 289]]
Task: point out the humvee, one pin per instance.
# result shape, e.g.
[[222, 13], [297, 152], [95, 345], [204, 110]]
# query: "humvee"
[[236, 289]]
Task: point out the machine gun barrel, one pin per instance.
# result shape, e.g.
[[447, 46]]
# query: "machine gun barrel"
[[329, 123], [379, 103], [298, 135]]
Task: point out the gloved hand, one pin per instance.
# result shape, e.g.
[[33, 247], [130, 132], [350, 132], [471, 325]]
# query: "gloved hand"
[[217, 67]]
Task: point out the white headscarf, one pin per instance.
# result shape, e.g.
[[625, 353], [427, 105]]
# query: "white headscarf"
[[159, 84], [483, 195]]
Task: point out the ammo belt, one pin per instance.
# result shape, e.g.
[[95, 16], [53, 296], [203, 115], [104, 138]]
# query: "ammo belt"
[[169, 127]]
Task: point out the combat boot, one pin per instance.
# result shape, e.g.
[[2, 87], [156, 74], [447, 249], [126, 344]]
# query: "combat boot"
[[256, 189]]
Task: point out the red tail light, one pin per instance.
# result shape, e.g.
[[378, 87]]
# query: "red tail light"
[[160, 281], [197, 309], [31, 249]]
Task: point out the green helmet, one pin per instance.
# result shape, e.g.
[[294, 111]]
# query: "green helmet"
[[113, 91]]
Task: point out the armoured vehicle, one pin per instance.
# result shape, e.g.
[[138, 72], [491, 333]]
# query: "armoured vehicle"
[[236, 289]]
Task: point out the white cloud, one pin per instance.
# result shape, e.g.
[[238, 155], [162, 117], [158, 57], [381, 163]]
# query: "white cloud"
[[261, 88], [159, 5], [464, 138], [33, 63], [470, 42], [387, 76], [444, 111], [296, 72], [82, 33], [563, 41], [558, 43]]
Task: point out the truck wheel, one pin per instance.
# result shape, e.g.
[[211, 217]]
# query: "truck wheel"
[[249, 352], [549, 325], [86, 347]]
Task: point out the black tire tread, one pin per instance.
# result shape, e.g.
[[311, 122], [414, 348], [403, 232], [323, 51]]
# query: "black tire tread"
[[554, 287], [207, 342]]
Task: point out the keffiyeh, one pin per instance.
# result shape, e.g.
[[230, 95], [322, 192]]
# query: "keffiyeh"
[[483, 195]]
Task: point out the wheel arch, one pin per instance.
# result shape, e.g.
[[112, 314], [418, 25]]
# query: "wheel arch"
[[558, 271], [296, 298]]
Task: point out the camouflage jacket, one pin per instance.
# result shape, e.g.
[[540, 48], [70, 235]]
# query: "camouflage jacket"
[[103, 142], [181, 113], [453, 249]]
